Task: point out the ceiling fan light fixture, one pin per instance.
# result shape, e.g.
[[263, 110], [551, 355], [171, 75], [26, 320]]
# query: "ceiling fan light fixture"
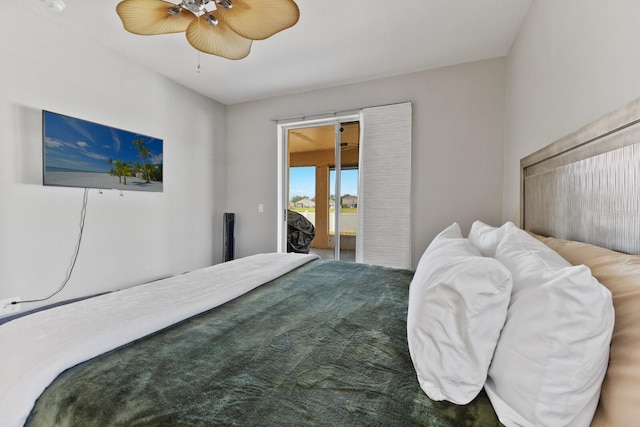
[[229, 30], [195, 6], [211, 19]]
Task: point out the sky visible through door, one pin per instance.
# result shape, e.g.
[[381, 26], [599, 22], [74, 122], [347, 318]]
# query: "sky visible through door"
[[302, 182]]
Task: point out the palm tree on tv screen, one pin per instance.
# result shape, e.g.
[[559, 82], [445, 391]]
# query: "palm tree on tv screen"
[[121, 170], [116, 170], [144, 153]]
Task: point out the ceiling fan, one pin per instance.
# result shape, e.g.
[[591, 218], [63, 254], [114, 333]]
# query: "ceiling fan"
[[224, 28]]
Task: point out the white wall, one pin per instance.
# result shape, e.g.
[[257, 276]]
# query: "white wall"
[[458, 115], [127, 240], [572, 62]]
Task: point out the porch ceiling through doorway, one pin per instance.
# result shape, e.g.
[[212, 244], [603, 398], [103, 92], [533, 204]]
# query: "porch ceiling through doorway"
[[322, 138]]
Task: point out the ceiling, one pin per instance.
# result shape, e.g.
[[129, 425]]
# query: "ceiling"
[[323, 138], [335, 42]]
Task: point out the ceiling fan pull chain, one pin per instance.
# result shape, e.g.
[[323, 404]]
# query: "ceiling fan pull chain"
[[198, 67]]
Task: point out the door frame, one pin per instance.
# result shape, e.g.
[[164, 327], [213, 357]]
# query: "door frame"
[[283, 169]]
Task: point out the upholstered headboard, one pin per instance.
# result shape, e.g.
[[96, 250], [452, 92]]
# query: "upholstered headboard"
[[586, 186]]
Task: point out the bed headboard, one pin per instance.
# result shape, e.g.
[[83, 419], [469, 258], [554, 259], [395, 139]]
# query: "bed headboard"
[[586, 186]]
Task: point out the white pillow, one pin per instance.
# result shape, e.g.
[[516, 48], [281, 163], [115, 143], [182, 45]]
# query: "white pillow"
[[457, 306], [486, 238], [530, 261], [553, 352], [451, 232]]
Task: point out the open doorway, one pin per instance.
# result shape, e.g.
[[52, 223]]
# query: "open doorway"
[[384, 219], [321, 183]]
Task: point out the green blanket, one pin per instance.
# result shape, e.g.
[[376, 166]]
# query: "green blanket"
[[324, 345]]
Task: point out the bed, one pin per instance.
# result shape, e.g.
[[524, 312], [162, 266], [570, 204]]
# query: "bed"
[[323, 344], [289, 339]]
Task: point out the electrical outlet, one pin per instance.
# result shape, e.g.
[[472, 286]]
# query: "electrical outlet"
[[7, 308]]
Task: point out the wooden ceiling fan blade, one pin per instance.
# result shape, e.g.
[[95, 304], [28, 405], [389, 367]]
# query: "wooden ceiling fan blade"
[[150, 17], [259, 19], [217, 39]]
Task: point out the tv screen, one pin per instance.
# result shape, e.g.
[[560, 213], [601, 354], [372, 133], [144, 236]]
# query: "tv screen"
[[79, 153]]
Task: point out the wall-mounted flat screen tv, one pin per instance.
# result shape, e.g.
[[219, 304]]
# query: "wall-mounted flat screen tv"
[[79, 153]]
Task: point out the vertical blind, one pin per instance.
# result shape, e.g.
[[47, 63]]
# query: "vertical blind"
[[384, 205]]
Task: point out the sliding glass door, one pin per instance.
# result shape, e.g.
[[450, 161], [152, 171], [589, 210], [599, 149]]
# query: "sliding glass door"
[[319, 181], [372, 148], [345, 209]]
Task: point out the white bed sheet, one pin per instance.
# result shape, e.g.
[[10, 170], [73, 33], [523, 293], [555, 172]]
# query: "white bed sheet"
[[38, 347]]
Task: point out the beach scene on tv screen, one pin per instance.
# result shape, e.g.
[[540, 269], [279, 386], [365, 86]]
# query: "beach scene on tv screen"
[[80, 153]]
